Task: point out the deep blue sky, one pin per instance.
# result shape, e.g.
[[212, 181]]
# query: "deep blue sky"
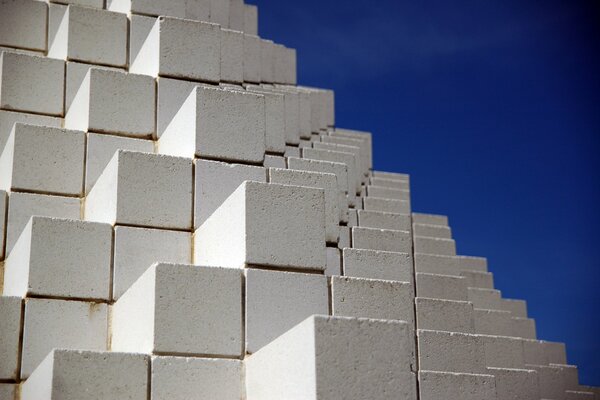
[[493, 107]]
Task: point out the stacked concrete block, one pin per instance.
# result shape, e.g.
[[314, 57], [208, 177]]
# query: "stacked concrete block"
[[10, 315], [444, 315], [377, 264], [448, 385], [444, 287], [232, 56], [517, 384], [250, 19], [381, 239], [9, 118], [252, 59], [274, 119], [29, 31]]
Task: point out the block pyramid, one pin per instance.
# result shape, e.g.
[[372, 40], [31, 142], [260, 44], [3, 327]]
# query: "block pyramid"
[[180, 220]]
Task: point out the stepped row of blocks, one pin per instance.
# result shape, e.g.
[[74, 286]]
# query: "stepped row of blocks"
[[179, 220]]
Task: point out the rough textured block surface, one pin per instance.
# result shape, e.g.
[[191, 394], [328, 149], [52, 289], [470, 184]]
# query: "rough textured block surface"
[[71, 374], [444, 315], [232, 56], [442, 287], [163, 184], [451, 352], [60, 258], [277, 301], [455, 386], [381, 239], [312, 361], [381, 220], [265, 224], [51, 324], [23, 24], [515, 384], [10, 331], [375, 264], [181, 309]]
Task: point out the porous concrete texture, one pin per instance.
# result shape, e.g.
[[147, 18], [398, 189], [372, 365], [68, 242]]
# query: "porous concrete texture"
[[179, 219]]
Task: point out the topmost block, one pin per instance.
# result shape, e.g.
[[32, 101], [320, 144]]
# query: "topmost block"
[[198, 10], [181, 49], [23, 24]]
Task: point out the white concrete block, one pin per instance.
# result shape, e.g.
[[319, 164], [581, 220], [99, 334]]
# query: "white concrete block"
[[369, 298], [291, 110], [556, 352], [503, 352], [387, 206], [8, 391], [267, 61], [180, 378], [516, 384], [388, 193], [467, 263], [429, 219], [85, 3], [523, 328], [232, 55], [451, 352], [115, 102], [3, 214], [455, 386], [365, 137], [216, 181], [76, 73], [51, 324], [100, 150], [486, 299], [535, 352], [272, 161], [337, 157], [136, 249], [493, 322], [274, 119], [429, 245], [162, 183], [444, 315], [374, 264], [181, 309], [252, 59], [250, 19], [444, 287], [434, 264], [345, 238], [278, 301], [23, 24], [74, 374], [87, 34], [392, 184], [292, 151], [381, 239], [265, 224], [22, 206], [518, 308], [219, 12], [391, 175], [334, 262], [347, 149], [551, 380], [570, 375], [178, 48], [313, 361], [59, 160], [60, 258], [172, 8], [339, 169], [327, 182], [352, 217], [9, 118], [483, 280], [31, 84], [290, 62], [432, 231], [236, 15], [355, 142], [10, 331], [235, 132]]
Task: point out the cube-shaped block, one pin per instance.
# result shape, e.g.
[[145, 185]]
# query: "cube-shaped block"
[[267, 61], [443, 287], [429, 219], [31, 84], [439, 265], [22, 206], [215, 181], [387, 206], [456, 386], [87, 34], [180, 378], [10, 331], [73, 374], [250, 19], [220, 124], [115, 102], [179, 48], [9, 118], [382, 239], [51, 324], [232, 56], [43, 159], [432, 231], [60, 258], [136, 249], [275, 121], [334, 358], [181, 309], [219, 12], [444, 315], [277, 301], [265, 224], [484, 280], [339, 157], [382, 220], [143, 189], [430, 245], [252, 59], [503, 352], [493, 322], [516, 384], [469, 263], [23, 24], [487, 299], [370, 298], [327, 182], [339, 169], [451, 352], [376, 264]]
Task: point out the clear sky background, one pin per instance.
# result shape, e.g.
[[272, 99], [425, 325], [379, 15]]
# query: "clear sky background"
[[493, 107]]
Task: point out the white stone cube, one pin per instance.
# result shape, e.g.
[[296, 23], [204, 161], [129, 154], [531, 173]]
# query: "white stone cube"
[[451, 352], [136, 249], [23, 24], [236, 15], [60, 258], [109, 101], [493, 322], [381, 239], [143, 189], [469, 263], [43, 159], [387, 206], [31, 84], [232, 56], [275, 119], [51, 324], [381, 220], [181, 309], [439, 265], [87, 34], [268, 225], [516, 384], [377, 264], [430, 245], [267, 61], [9, 118], [219, 12], [278, 301], [503, 352], [456, 386], [75, 374], [444, 315], [10, 332], [430, 219], [426, 230], [250, 19], [252, 59], [444, 287]]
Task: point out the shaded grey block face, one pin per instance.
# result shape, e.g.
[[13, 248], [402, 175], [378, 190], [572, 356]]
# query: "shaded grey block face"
[[30, 30], [375, 264], [441, 287], [382, 239], [9, 118], [10, 330], [516, 383], [444, 315], [455, 386], [451, 352]]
